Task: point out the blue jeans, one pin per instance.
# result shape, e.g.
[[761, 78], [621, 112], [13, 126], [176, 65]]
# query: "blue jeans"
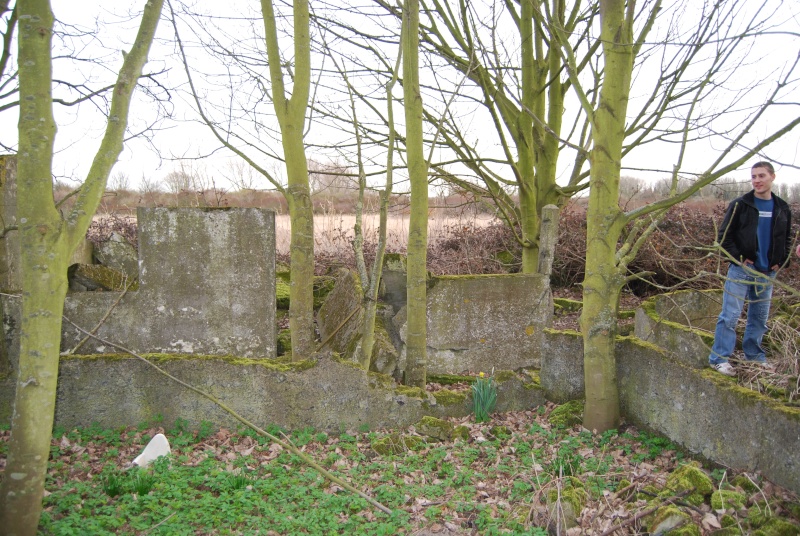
[[756, 290]]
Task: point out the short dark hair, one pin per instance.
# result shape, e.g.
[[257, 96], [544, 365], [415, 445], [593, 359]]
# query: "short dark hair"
[[765, 164]]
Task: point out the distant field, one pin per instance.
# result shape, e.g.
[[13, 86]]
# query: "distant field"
[[332, 231]]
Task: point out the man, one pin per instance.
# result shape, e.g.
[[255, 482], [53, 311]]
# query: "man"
[[756, 234]]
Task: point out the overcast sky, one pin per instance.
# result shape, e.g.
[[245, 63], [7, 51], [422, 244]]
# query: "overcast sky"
[[81, 127]]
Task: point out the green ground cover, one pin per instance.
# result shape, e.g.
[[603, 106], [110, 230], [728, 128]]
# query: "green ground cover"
[[515, 474]]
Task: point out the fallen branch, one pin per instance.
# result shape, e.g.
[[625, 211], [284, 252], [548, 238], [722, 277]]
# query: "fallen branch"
[[285, 444]]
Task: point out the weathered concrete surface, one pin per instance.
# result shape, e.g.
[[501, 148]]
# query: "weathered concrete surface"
[[485, 322], [561, 373], [709, 414], [702, 411], [325, 394], [119, 254], [340, 317], [207, 285], [682, 323]]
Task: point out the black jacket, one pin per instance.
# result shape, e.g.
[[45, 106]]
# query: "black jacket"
[[738, 232]]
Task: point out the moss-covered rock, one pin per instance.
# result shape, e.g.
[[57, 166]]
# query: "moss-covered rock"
[[778, 527], [724, 499], [744, 483], [690, 477], [570, 500], [435, 428], [728, 531], [461, 432], [671, 520], [568, 414], [396, 444], [647, 493], [759, 514]]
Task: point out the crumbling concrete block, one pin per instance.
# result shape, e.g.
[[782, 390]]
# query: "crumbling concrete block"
[[485, 322]]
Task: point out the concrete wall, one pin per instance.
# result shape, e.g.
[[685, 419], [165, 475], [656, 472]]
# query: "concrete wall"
[[681, 323], [326, 394], [207, 285], [485, 322], [702, 411]]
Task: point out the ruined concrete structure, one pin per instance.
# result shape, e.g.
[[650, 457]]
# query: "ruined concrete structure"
[[206, 304]]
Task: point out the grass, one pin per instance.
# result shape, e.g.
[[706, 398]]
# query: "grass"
[[224, 482]]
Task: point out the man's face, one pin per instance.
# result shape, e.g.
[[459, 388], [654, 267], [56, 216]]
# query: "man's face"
[[762, 180]]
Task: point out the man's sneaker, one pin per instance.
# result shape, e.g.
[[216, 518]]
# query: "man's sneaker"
[[762, 365], [724, 368]]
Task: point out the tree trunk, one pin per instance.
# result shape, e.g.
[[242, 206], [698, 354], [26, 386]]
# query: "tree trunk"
[[605, 222], [46, 244], [291, 115], [417, 302]]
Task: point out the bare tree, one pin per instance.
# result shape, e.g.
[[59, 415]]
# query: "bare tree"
[[47, 241]]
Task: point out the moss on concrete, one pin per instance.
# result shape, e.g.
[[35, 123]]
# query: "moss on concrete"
[[278, 365], [107, 278], [394, 261], [568, 414], [572, 332], [571, 498], [500, 431], [649, 308], [446, 397], [450, 379], [413, 392], [501, 376], [565, 305]]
